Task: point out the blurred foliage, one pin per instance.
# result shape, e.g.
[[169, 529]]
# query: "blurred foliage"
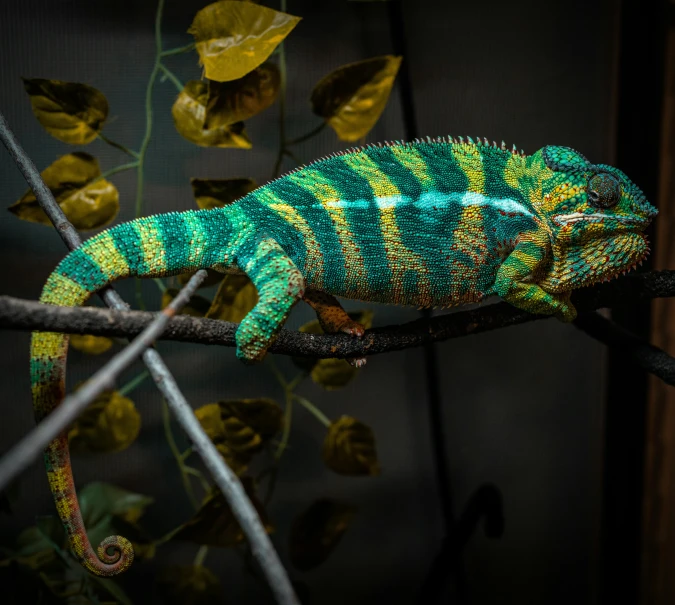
[[189, 585], [92, 345], [211, 193], [197, 306], [349, 448], [236, 296]]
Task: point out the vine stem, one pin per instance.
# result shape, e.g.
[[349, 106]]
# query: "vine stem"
[[171, 76], [282, 103], [310, 407], [134, 383], [116, 145], [180, 49]]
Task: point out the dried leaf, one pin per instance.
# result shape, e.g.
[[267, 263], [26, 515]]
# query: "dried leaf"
[[233, 38], [87, 203], [109, 424], [215, 525], [70, 111], [349, 448], [189, 585], [241, 99], [90, 344], [212, 278], [236, 296], [317, 531], [189, 113], [197, 306], [331, 374], [216, 193], [352, 98]]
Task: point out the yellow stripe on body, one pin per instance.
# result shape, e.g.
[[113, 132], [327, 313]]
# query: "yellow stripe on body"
[[198, 241], [470, 161], [399, 257], [322, 189], [102, 250], [411, 159], [154, 252], [63, 291], [314, 256], [51, 345]]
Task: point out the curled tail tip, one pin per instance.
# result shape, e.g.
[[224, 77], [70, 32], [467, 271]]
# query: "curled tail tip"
[[107, 564]]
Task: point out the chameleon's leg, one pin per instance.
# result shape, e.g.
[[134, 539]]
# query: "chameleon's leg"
[[280, 285], [334, 319], [516, 281]]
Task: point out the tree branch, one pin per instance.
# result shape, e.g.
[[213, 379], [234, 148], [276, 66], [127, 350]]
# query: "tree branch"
[[24, 452], [21, 314]]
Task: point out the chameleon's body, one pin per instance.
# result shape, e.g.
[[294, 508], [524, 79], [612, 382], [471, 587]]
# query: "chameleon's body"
[[430, 224]]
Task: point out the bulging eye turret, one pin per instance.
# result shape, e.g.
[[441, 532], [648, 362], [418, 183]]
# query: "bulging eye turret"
[[604, 190]]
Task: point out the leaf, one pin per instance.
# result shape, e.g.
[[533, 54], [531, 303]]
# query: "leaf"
[[92, 345], [215, 525], [235, 297], [110, 423], [216, 193], [87, 203], [349, 448], [241, 99], [197, 306], [233, 38], [352, 98], [70, 111], [212, 278], [317, 531], [98, 499], [189, 585], [331, 374], [189, 113]]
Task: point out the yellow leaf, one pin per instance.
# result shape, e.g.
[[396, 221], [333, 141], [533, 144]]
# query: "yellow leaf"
[[233, 38], [349, 448], [110, 424], [215, 525], [352, 98], [241, 99], [88, 202], [189, 113], [189, 585], [197, 306], [216, 193], [234, 299], [71, 112], [93, 345], [212, 278], [317, 531]]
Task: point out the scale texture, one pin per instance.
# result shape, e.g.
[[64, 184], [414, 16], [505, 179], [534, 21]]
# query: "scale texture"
[[432, 223]]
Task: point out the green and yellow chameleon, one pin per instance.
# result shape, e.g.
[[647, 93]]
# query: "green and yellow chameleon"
[[432, 223]]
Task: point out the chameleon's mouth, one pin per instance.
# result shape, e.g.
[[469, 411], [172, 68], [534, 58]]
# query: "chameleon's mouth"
[[575, 217]]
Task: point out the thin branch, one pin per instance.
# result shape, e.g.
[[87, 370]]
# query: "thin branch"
[[649, 357], [19, 314], [222, 475], [22, 454], [171, 76]]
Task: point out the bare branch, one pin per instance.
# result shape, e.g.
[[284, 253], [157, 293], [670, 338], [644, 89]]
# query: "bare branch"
[[261, 545], [28, 449]]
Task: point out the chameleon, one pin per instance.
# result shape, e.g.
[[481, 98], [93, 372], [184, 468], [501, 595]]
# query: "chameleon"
[[430, 223]]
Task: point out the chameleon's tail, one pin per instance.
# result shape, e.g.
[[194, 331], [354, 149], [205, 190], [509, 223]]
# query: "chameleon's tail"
[[149, 247]]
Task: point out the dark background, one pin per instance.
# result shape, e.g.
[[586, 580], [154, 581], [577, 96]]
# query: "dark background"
[[523, 408]]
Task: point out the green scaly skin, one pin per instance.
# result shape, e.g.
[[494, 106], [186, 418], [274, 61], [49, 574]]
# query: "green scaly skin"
[[430, 224]]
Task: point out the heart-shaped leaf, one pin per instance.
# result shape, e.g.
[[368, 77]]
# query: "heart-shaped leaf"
[[236, 296], [189, 113], [233, 38], [92, 345], [98, 499], [317, 531], [216, 193], [352, 98], [110, 423], [71, 112], [241, 99], [349, 448], [88, 202]]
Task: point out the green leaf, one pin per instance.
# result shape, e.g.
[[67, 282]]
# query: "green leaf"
[[98, 499], [87, 203], [189, 113], [317, 531], [216, 193], [233, 38], [189, 585], [349, 448], [70, 111], [110, 423], [92, 345], [352, 98], [215, 525], [241, 99], [236, 296], [212, 278], [197, 306]]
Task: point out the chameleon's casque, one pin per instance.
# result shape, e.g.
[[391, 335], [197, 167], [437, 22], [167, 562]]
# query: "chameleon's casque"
[[431, 223]]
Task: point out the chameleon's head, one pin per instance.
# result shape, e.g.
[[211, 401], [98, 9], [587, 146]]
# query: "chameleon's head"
[[597, 217]]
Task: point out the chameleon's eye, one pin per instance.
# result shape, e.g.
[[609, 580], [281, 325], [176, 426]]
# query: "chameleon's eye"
[[604, 190]]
